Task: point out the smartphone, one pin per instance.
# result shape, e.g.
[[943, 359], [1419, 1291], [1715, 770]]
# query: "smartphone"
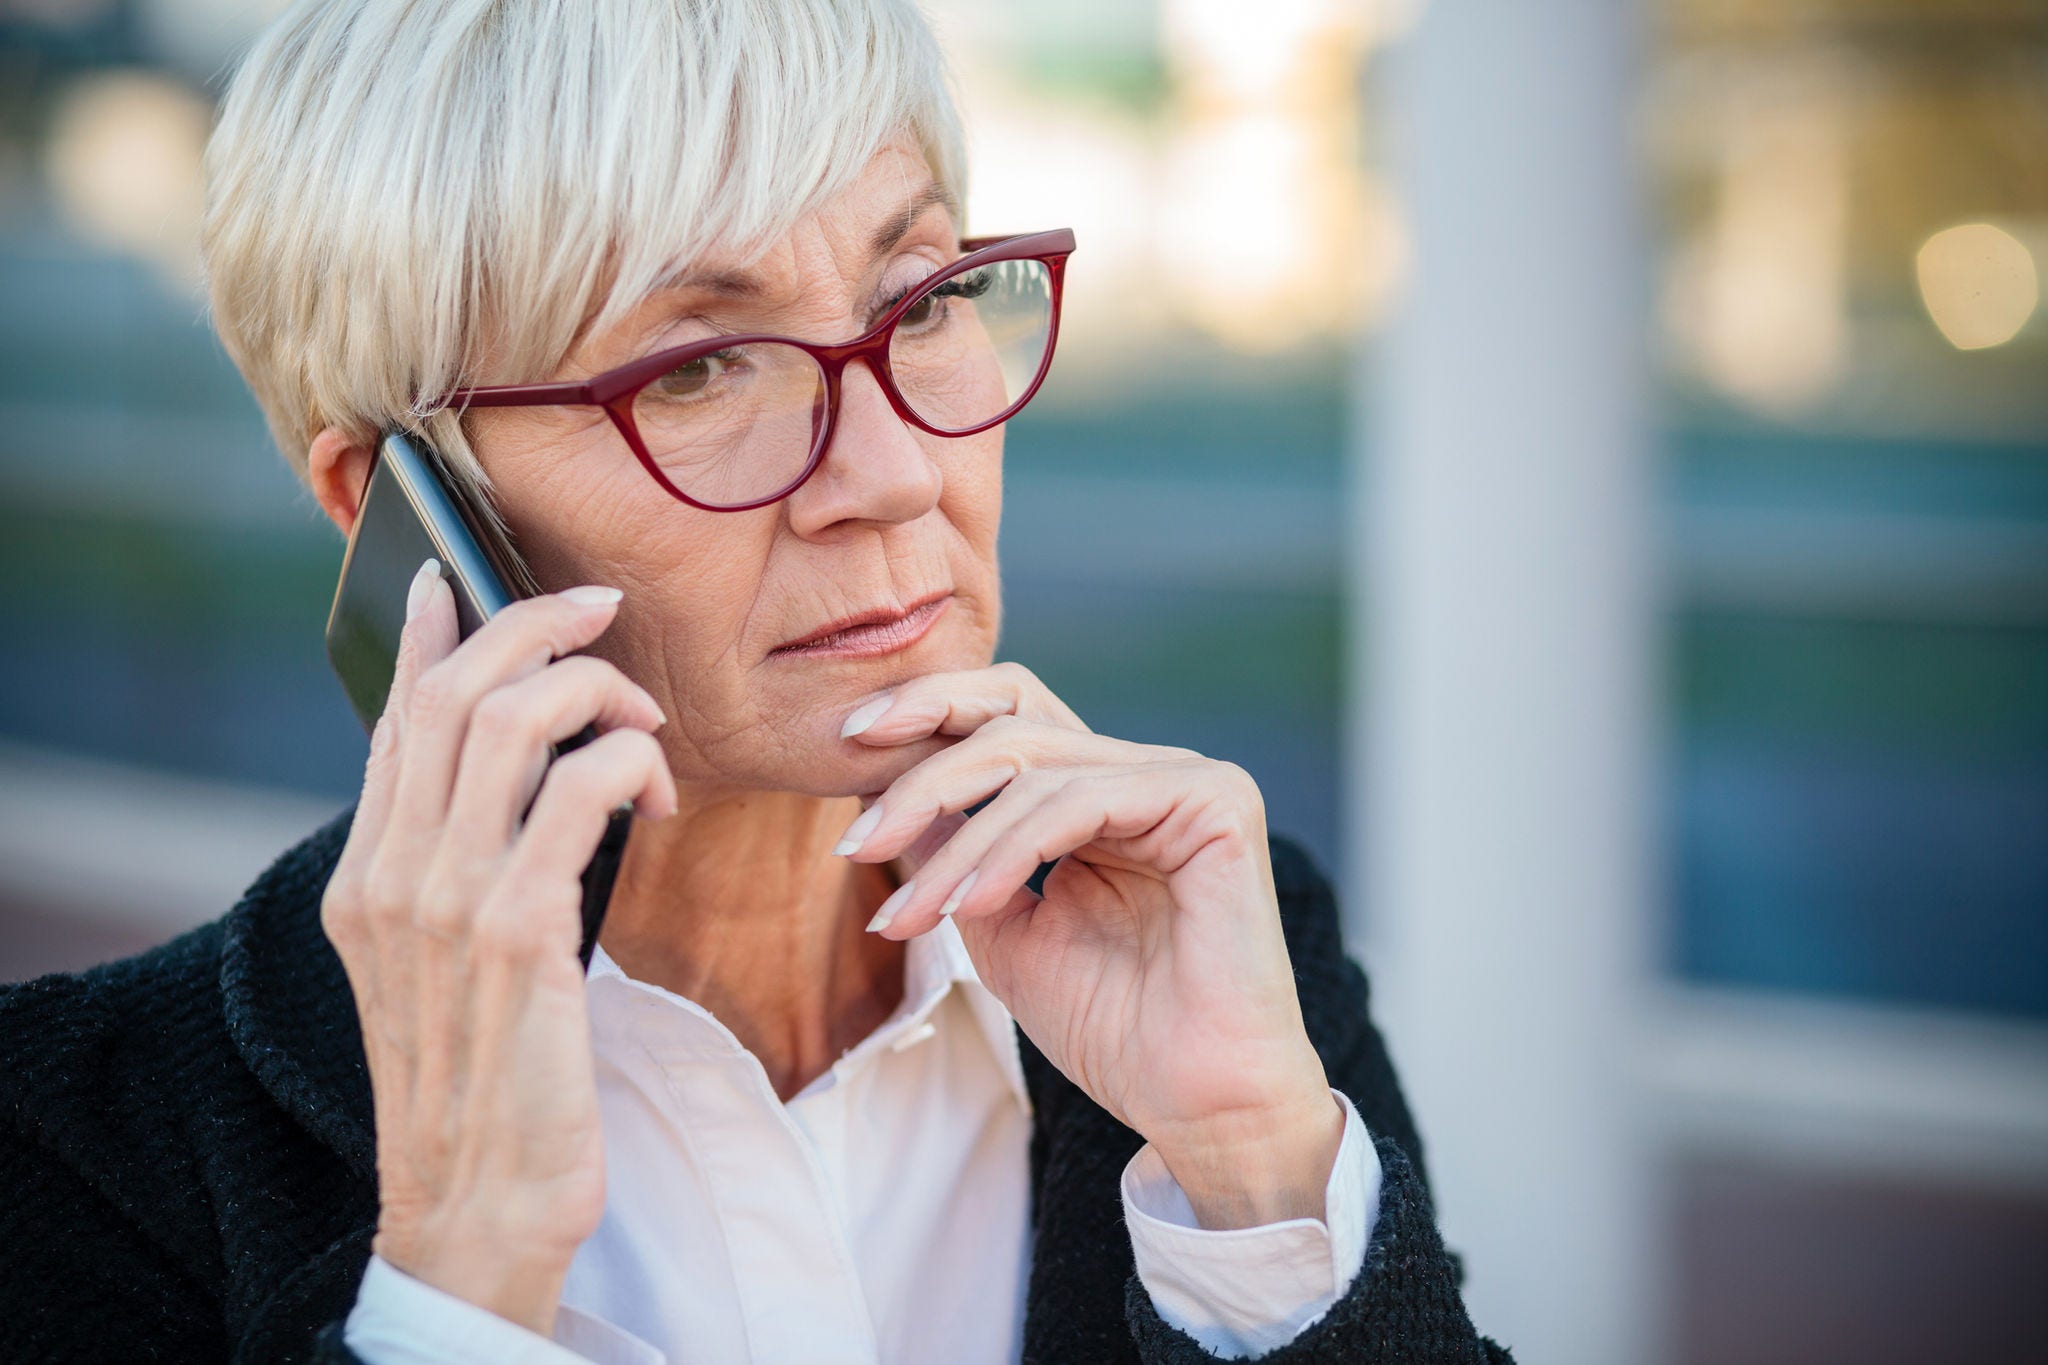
[[413, 509]]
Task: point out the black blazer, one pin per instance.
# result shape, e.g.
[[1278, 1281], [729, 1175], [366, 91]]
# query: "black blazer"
[[187, 1158]]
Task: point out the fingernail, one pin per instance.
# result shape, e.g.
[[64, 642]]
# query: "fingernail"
[[890, 906], [592, 595], [866, 716], [857, 833], [422, 584], [959, 893]]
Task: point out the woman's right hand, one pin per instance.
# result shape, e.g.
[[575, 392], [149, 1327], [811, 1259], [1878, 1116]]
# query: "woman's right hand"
[[459, 924]]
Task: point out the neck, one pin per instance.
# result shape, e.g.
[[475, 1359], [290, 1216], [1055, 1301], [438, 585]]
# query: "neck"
[[736, 902]]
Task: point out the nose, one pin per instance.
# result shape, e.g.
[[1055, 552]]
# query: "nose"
[[876, 468]]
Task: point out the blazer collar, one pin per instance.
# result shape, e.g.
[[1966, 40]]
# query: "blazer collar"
[[287, 1000]]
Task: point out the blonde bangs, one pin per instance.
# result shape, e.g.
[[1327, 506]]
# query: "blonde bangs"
[[406, 198]]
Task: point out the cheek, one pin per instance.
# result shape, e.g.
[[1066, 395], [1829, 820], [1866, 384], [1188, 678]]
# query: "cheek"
[[972, 504], [972, 499], [684, 632], [700, 593], [593, 529], [691, 577], [565, 483]]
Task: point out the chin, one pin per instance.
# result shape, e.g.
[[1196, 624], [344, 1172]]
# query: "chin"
[[808, 756], [850, 768]]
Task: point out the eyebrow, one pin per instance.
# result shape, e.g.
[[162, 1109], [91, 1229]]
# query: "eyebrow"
[[894, 229], [891, 230]]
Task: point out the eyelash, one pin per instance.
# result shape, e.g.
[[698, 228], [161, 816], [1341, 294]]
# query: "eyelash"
[[968, 286]]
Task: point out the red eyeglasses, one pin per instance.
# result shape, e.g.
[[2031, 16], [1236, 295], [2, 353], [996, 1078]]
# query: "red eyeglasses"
[[731, 423]]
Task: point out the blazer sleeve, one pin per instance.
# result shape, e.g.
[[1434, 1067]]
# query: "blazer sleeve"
[[329, 1349], [1404, 1306], [83, 1282]]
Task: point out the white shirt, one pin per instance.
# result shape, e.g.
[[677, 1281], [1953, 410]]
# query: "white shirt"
[[881, 1215]]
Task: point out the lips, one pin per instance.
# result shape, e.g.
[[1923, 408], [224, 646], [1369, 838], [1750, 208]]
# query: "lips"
[[876, 631]]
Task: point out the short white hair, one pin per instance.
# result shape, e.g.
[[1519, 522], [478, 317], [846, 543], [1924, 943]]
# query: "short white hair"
[[405, 194]]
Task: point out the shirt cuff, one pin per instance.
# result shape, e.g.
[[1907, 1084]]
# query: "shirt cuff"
[[400, 1320], [1245, 1291]]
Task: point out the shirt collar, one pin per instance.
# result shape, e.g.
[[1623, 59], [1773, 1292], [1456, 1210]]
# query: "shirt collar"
[[947, 960], [934, 963]]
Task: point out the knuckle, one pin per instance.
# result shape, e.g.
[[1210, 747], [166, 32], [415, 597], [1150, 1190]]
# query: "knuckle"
[[623, 752], [578, 672], [441, 911], [341, 909], [560, 623], [386, 898], [1008, 725], [1240, 781], [434, 695], [581, 777], [532, 616], [497, 635], [596, 679], [643, 745], [503, 716], [1235, 774]]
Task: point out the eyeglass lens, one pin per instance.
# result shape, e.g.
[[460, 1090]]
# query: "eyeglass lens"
[[738, 425]]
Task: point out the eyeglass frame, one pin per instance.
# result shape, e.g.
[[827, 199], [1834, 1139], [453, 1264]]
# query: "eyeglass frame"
[[615, 390]]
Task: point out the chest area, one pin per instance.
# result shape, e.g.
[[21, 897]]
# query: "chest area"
[[883, 1214]]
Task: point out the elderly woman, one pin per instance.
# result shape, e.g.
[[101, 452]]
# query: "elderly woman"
[[682, 290]]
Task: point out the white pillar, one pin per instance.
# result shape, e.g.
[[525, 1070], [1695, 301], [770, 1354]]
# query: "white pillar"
[[1500, 712]]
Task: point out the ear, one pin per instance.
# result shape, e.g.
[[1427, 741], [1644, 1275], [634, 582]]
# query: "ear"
[[338, 470]]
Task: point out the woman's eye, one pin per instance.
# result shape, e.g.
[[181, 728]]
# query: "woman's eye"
[[693, 377], [934, 303]]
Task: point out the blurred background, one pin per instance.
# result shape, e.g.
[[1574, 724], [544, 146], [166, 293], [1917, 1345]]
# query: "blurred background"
[[1588, 460]]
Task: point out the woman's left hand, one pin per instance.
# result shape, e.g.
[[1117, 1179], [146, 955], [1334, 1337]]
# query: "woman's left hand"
[[1152, 972]]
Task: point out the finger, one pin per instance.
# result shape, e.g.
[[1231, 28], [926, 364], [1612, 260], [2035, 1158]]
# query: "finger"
[[1057, 806], [960, 775], [429, 635], [353, 909], [965, 838], [577, 797], [923, 848], [1160, 815], [518, 641], [958, 703], [505, 750], [426, 637]]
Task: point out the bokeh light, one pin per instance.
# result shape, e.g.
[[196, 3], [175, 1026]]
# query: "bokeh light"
[[123, 160], [1979, 284]]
